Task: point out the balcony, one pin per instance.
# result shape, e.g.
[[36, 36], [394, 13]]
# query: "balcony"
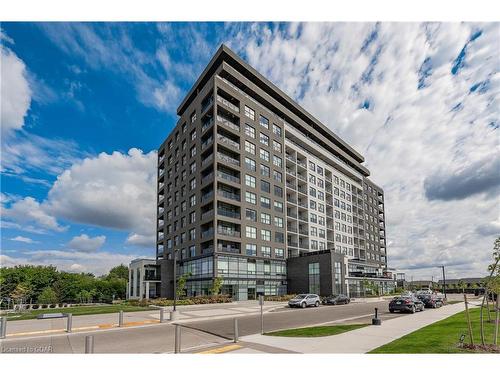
[[206, 143], [207, 214], [290, 157], [207, 160], [291, 200], [227, 159], [228, 248], [228, 123], [207, 124], [228, 142], [207, 196], [206, 105], [228, 177], [290, 172], [207, 233], [208, 177], [301, 163], [229, 195], [228, 213], [228, 232], [228, 104]]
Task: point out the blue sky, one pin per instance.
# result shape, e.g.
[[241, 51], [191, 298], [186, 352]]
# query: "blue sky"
[[84, 107]]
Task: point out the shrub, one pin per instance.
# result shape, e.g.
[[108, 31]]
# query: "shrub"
[[283, 298]]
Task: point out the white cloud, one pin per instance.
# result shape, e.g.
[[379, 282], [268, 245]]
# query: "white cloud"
[[410, 137], [23, 239], [111, 191], [86, 244], [15, 91], [98, 263], [28, 211]]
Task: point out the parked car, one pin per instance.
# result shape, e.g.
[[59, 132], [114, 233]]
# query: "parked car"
[[430, 300], [336, 299], [304, 300], [406, 304]]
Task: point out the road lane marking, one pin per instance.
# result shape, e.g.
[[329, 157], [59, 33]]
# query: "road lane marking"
[[224, 349]]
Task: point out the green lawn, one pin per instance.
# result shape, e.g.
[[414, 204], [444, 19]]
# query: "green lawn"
[[442, 336], [316, 331], [77, 310]]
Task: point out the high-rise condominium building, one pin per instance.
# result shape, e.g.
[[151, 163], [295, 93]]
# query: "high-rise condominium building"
[[255, 190]]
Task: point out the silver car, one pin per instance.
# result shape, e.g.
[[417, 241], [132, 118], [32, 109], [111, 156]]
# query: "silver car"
[[304, 300]]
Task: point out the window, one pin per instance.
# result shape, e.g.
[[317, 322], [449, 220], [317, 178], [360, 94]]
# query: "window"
[[278, 191], [192, 184], [314, 231], [322, 233], [312, 192], [192, 217], [184, 127], [193, 117], [251, 249], [250, 113], [192, 167], [250, 181], [263, 121], [250, 147], [314, 245], [192, 251], [251, 232], [278, 176], [279, 237], [250, 164], [265, 235], [264, 139], [250, 198], [312, 166], [276, 146], [265, 170], [265, 251], [193, 151], [314, 218], [312, 204], [279, 253], [312, 179], [278, 206], [183, 206], [265, 202], [264, 155], [250, 131], [319, 170], [265, 186], [277, 130], [265, 218], [314, 286], [192, 234], [278, 221], [277, 161], [193, 135], [251, 214]]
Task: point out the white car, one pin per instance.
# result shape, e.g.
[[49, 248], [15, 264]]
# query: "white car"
[[304, 300]]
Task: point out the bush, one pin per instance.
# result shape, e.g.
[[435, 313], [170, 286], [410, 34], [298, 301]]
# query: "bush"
[[283, 298], [198, 300]]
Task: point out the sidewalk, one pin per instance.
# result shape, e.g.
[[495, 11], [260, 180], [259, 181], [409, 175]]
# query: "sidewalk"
[[186, 313], [361, 340]]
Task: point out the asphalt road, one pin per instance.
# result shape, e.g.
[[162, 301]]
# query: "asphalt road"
[[159, 338]]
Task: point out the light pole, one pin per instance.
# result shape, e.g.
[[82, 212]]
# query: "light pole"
[[175, 280], [444, 283]]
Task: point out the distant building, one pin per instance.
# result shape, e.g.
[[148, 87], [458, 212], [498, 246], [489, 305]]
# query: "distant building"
[[143, 279], [470, 282]]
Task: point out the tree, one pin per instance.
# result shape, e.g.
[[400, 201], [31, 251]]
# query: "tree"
[[47, 296], [491, 281], [181, 284], [118, 272], [216, 285], [21, 292]]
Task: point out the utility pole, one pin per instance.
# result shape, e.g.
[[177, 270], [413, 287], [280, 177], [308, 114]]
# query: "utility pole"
[[444, 283]]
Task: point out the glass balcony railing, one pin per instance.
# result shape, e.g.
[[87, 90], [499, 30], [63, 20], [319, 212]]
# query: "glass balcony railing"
[[207, 124], [228, 232], [228, 104], [226, 122], [207, 104], [228, 213], [228, 142], [228, 195], [228, 177], [228, 159]]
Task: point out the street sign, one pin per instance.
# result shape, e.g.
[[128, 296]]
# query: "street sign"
[[261, 300]]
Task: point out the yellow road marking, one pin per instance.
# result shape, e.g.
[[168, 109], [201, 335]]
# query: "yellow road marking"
[[224, 349]]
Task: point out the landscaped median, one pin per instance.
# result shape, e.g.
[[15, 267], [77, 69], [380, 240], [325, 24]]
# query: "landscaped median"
[[442, 337], [317, 331]]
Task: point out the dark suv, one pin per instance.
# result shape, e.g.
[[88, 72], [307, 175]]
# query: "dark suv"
[[430, 300], [406, 304], [336, 299]]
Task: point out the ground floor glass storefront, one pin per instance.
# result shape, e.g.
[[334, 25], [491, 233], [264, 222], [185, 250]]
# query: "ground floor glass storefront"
[[369, 287]]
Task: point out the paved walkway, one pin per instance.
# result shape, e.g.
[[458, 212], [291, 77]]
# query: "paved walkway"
[[186, 314], [361, 340]]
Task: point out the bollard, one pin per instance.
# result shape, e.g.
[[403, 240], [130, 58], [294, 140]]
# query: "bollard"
[[120, 319], [69, 322], [261, 303], [235, 329], [177, 342], [162, 315], [89, 344], [376, 321], [3, 329]]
